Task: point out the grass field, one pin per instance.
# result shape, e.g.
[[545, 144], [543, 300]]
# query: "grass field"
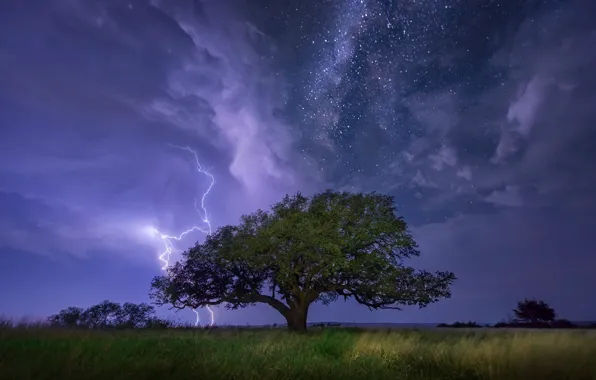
[[42, 353]]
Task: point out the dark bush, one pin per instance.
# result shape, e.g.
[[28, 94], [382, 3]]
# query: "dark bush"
[[469, 324], [563, 324]]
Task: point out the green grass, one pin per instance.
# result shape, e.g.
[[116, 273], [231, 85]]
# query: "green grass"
[[43, 353]]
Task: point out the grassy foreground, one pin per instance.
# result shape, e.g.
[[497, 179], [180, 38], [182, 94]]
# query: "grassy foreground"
[[38, 353]]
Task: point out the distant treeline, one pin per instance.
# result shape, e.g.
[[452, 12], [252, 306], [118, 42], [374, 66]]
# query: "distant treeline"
[[556, 324], [109, 314], [530, 313], [112, 315]]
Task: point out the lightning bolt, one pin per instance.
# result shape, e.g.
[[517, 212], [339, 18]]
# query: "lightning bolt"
[[168, 240]]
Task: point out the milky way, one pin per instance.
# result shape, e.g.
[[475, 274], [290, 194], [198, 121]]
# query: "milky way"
[[388, 90], [476, 115]]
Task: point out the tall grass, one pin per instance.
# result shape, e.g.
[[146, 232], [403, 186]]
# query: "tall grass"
[[44, 353]]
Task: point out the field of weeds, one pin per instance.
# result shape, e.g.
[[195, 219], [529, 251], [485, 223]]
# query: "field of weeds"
[[333, 353]]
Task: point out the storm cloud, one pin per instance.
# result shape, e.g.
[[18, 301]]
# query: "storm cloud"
[[477, 116]]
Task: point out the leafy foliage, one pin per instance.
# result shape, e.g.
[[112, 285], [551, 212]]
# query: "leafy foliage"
[[305, 250]]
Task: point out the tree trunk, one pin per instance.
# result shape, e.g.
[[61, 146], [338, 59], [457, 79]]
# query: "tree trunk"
[[297, 318]]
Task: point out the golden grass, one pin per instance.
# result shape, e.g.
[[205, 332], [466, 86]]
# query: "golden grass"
[[41, 353]]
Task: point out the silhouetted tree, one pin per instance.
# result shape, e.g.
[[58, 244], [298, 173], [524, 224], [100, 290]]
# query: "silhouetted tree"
[[69, 317], [104, 314], [534, 311], [107, 314], [305, 250], [135, 315]]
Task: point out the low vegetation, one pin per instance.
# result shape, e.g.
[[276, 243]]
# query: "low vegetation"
[[469, 324], [33, 352]]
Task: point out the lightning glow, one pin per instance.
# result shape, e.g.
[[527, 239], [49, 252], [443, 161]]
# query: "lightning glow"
[[168, 240]]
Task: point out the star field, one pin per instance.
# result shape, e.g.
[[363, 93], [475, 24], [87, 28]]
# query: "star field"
[[381, 78], [476, 115]]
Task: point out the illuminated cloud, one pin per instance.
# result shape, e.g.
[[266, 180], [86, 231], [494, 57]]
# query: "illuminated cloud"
[[478, 118]]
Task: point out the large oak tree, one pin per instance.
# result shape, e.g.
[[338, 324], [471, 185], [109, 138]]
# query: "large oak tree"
[[305, 250]]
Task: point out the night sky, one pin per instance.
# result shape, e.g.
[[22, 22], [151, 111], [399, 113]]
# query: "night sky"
[[479, 116]]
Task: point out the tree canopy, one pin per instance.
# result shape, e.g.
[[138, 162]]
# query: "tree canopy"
[[107, 314], [305, 250], [534, 311]]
